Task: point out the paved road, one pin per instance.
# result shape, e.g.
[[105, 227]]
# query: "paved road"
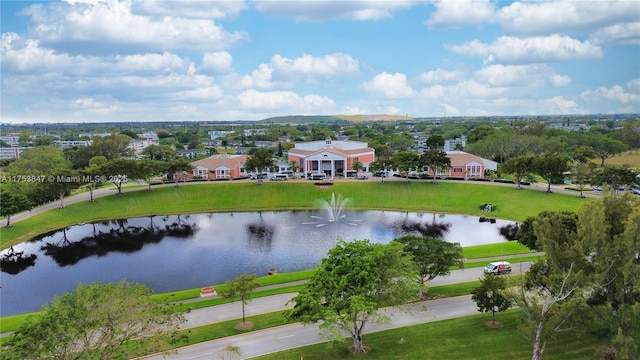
[[295, 335]]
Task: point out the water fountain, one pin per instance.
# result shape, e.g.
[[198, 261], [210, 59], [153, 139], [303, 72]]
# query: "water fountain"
[[333, 210]]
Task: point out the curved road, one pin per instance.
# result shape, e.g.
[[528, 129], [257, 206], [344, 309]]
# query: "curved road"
[[296, 335]]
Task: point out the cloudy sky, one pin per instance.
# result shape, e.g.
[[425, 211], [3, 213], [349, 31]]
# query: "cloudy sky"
[[110, 60]]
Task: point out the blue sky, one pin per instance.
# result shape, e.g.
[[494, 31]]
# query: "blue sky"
[[109, 60]]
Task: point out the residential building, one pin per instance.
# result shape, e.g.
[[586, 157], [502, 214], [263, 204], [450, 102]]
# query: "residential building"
[[220, 167], [331, 157], [455, 144], [12, 152], [69, 144], [468, 165]]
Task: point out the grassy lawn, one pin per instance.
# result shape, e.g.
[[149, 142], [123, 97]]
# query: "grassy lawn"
[[444, 197], [461, 338]]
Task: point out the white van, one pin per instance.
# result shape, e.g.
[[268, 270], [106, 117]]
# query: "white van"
[[280, 177], [497, 268], [319, 176]]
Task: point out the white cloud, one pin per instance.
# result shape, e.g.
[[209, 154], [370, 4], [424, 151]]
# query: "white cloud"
[[103, 26], [506, 49], [93, 106], [216, 62], [286, 101], [558, 80], [618, 34], [459, 13], [190, 8], [393, 86], [441, 75], [260, 78], [520, 76], [331, 65], [323, 10], [565, 16], [627, 95]]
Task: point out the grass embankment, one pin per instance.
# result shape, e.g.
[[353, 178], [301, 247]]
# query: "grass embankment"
[[416, 196], [460, 338]]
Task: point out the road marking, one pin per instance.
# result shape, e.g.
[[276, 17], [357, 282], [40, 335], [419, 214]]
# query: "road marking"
[[284, 337], [201, 355]]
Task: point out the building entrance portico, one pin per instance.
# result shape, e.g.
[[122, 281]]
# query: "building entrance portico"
[[331, 158]]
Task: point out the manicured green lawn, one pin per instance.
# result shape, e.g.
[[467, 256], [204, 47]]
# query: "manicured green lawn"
[[417, 196], [460, 338]]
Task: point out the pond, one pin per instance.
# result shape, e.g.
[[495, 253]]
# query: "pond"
[[169, 253]]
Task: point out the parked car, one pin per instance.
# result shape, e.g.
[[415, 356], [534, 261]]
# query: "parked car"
[[280, 177], [259, 176], [497, 268], [381, 174], [319, 176]]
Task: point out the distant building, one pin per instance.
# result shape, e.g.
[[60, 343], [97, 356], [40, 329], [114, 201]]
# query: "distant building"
[[331, 157], [220, 167], [68, 144], [468, 165], [11, 139], [12, 152], [455, 144]]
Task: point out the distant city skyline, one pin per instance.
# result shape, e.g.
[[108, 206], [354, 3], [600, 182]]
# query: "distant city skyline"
[[120, 61]]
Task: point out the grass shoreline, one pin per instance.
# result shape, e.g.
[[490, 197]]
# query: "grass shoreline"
[[443, 197]]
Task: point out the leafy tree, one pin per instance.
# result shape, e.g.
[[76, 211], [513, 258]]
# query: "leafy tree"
[[489, 295], [177, 166], [606, 147], [357, 166], [549, 308], [435, 160], [240, 288], [293, 166], [119, 171], [46, 140], [404, 161], [159, 152], [527, 232], [261, 159], [112, 147], [64, 180], [431, 257], [435, 142], [351, 283], [615, 176], [94, 321], [551, 166], [519, 167], [13, 201], [148, 169], [609, 233], [582, 175]]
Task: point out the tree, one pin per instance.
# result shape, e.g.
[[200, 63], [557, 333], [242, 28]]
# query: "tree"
[[119, 171], [435, 142], [615, 176], [435, 160], [404, 161], [519, 167], [260, 160], [582, 174], [159, 152], [609, 234], [148, 169], [431, 257], [551, 166], [93, 322], [549, 308], [357, 166], [177, 166], [606, 147], [13, 201], [112, 147], [528, 231], [63, 181], [351, 283], [489, 295], [240, 288]]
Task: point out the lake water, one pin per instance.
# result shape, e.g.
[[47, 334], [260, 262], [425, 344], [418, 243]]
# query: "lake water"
[[190, 251]]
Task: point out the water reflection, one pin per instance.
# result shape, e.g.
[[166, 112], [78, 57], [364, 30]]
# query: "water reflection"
[[179, 252]]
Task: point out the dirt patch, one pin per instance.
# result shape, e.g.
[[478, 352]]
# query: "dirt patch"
[[493, 324], [247, 325]]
